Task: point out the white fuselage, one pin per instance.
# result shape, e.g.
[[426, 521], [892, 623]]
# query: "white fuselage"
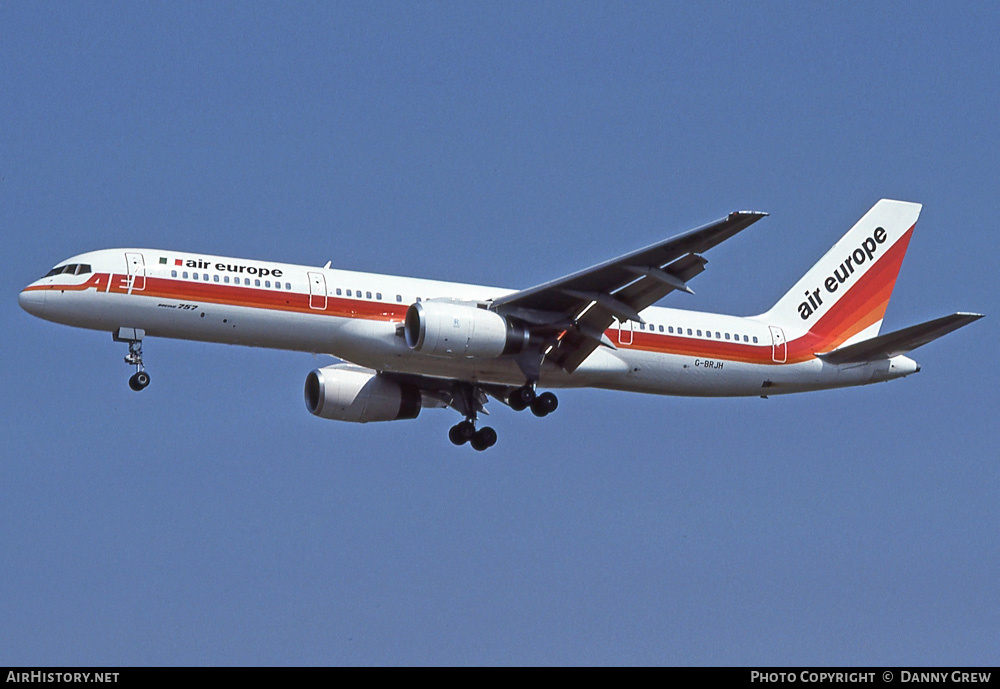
[[357, 317]]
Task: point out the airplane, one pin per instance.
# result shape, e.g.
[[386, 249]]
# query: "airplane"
[[406, 344]]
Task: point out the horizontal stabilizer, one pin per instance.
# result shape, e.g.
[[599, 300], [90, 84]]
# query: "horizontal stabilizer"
[[899, 342]]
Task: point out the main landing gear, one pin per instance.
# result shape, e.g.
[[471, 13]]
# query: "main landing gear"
[[470, 399], [525, 397], [133, 337], [465, 432]]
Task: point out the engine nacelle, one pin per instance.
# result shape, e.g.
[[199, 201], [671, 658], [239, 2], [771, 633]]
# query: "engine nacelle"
[[459, 331], [347, 393]]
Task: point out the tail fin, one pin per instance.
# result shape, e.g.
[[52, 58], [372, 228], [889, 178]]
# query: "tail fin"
[[842, 299]]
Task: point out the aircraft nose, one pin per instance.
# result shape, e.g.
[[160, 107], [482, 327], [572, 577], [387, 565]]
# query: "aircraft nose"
[[32, 301]]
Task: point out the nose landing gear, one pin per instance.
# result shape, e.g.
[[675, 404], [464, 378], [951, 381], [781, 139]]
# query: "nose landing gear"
[[138, 380], [133, 336]]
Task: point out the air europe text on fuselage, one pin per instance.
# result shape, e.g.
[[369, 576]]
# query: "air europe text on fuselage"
[[231, 268]]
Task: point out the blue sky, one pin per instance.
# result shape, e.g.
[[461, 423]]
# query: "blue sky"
[[212, 520]]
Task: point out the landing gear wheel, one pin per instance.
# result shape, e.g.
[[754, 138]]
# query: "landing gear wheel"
[[138, 381], [461, 433], [544, 404], [484, 438], [521, 398]]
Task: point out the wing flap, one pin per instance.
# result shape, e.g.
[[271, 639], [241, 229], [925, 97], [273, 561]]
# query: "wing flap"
[[899, 342]]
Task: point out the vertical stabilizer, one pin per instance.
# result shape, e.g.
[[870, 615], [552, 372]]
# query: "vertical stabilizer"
[[842, 299]]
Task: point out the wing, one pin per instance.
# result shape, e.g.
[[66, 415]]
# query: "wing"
[[571, 314]]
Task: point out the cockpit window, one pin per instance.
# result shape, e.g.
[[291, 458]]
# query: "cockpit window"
[[70, 269]]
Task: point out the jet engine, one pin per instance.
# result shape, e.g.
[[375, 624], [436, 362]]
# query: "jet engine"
[[347, 393], [461, 331]]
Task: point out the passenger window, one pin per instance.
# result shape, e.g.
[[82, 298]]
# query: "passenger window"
[[267, 283], [338, 292], [173, 273], [204, 276], [216, 277], [378, 295], [699, 333], [661, 328], [256, 283], [708, 333], [418, 300], [348, 292], [288, 286], [689, 331], [755, 339], [368, 295], [727, 336], [399, 298], [226, 279], [745, 339], [717, 335], [185, 275]]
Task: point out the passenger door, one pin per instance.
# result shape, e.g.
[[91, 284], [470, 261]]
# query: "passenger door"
[[779, 348], [624, 332], [317, 291], [136, 271]]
